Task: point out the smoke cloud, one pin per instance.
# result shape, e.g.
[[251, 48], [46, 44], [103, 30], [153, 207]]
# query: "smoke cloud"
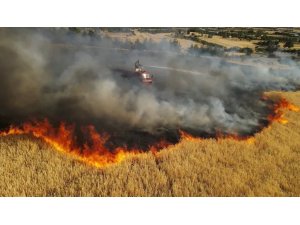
[[91, 82]]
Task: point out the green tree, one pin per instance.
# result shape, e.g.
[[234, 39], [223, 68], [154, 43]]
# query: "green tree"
[[288, 44], [269, 46], [247, 51], [75, 29]]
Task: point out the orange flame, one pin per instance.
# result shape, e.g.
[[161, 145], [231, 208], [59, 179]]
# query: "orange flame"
[[63, 138], [186, 136], [278, 114]]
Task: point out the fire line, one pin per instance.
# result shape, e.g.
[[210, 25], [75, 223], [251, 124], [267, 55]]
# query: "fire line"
[[98, 155]]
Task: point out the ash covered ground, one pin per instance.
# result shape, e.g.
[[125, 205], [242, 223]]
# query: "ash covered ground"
[[85, 84]]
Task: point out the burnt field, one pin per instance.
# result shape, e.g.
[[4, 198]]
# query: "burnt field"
[[265, 165], [89, 98], [76, 120]]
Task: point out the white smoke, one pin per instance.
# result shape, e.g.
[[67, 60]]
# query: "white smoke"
[[201, 94]]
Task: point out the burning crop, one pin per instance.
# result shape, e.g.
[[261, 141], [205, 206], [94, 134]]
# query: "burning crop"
[[100, 117], [95, 152], [63, 139], [278, 114]]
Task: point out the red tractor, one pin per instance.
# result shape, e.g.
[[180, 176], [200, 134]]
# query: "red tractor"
[[145, 77]]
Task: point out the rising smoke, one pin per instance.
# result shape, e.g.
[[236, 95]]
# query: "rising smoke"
[[44, 77]]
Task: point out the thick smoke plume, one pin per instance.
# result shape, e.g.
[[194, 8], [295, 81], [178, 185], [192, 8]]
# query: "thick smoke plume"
[[91, 83]]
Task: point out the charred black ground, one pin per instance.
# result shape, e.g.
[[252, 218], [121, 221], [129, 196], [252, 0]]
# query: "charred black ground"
[[43, 76]]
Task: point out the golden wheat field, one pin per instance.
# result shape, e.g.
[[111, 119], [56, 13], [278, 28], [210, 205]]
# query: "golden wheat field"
[[269, 165]]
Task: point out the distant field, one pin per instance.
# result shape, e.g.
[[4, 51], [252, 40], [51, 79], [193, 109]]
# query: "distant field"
[[142, 36], [229, 42], [186, 44], [296, 46], [269, 165]]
